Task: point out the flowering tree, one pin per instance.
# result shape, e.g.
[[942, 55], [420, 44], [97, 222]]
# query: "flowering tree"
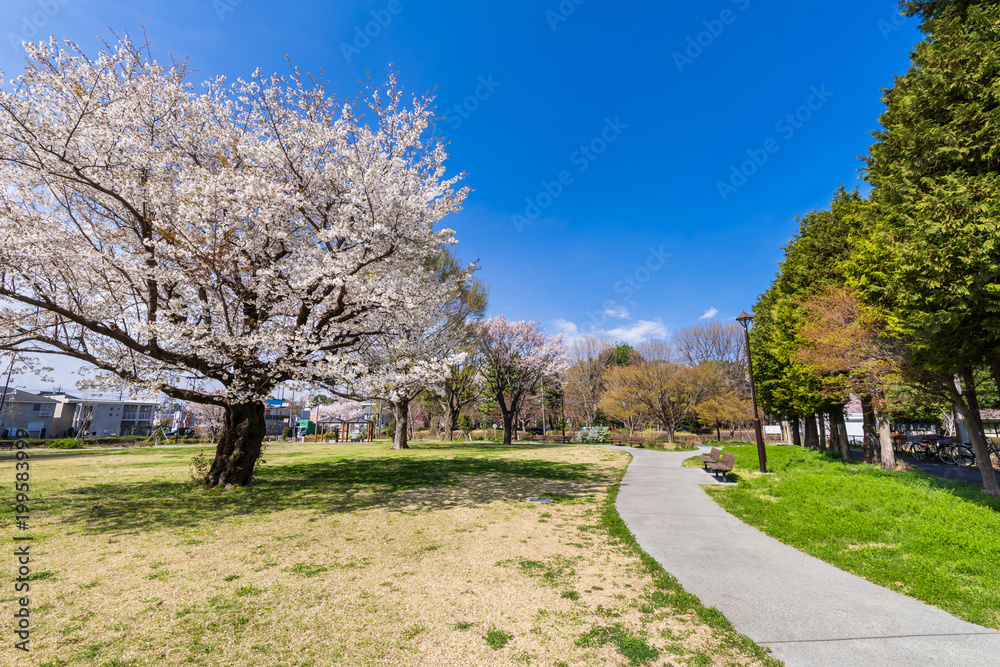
[[516, 355], [418, 350], [241, 237], [338, 408], [209, 418]]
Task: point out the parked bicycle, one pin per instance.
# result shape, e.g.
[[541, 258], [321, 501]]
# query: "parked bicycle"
[[902, 445], [946, 450], [934, 447]]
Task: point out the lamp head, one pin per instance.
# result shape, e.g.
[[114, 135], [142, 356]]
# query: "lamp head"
[[745, 318]]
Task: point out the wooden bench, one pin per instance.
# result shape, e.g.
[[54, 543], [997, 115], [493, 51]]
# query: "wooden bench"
[[636, 441], [723, 465], [618, 439], [561, 438], [7, 444], [538, 438], [711, 457]]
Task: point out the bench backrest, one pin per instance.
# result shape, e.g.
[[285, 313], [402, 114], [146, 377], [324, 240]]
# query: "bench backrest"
[[715, 453], [727, 459]]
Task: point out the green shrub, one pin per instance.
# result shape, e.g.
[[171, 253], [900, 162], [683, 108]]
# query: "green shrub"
[[465, 424], [66, 443]]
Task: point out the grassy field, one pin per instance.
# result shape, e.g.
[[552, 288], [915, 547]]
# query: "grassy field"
[[354, 555], [932, 539]]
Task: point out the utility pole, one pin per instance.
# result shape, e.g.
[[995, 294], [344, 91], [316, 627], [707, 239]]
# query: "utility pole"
[[745, 319], [6, 387], [543, 406]]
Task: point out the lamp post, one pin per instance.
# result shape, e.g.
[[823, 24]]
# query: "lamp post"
[[745, 319]]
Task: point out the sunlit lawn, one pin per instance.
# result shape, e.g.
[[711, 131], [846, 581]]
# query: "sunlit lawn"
[[932, 539], [353, 555]]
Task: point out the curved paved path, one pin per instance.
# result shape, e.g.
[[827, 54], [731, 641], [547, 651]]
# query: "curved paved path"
[[807, 611]]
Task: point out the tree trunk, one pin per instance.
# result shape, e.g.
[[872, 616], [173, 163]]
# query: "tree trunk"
[[239, 447], [995, 368], [718, 433], [401, 413], [796, 433], [508, 428], [812, 436], [972, 399], [449, 420], [885, 432], [871, 430], [839, 427], [990, 485], [822, 431]]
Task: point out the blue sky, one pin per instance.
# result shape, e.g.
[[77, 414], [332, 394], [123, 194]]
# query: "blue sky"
[[595, 135]]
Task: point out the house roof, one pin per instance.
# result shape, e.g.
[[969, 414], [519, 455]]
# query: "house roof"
[[18, 396], [61, 397]]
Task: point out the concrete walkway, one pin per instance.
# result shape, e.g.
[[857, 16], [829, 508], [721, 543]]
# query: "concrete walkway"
[[806, 611]]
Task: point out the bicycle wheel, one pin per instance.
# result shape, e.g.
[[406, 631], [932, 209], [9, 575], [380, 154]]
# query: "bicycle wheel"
[[920, 451], [948, 454], [966, 456]]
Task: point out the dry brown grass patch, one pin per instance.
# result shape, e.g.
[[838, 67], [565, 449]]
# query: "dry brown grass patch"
[[319, 571]]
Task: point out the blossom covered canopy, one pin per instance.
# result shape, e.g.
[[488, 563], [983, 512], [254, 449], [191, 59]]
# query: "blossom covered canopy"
[[246, 235]]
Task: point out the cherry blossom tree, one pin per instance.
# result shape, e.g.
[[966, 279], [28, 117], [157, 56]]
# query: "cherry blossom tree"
[[338, 408], [516, 355], [417, 353], [209, 418], [243, 236]]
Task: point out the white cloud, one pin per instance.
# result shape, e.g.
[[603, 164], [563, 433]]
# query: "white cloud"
[[620, 312], [710, 313], [639, 332], [633, 333], [570, 332]]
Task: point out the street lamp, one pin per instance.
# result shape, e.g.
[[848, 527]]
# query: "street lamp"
[[745, 319]]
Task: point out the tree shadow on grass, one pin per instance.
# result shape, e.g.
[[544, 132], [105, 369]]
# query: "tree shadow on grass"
[[328, 488]]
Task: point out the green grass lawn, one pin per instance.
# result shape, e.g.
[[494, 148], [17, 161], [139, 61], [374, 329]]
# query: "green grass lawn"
[[932, 539]]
